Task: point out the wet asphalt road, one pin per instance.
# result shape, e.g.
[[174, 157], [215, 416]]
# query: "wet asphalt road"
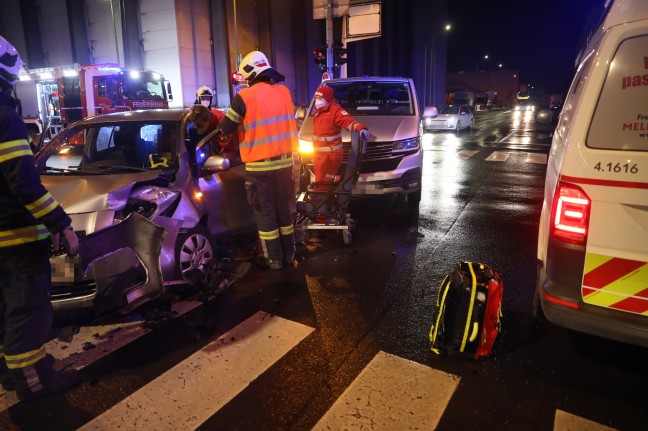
[[377, 294]]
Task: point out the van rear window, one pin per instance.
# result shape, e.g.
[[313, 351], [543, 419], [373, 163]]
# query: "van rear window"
[[620, 120]]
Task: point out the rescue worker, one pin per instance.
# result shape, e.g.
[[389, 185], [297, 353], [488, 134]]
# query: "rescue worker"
[[267, 143], [328, 121], [29, 214]]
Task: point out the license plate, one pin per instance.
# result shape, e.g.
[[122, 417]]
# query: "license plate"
[[62, 269]]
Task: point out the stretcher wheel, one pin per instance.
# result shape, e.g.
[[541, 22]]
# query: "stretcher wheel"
[[346, 236]]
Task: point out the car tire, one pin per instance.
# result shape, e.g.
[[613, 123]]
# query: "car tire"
[[458, 128], [194, 249], [413, 199]]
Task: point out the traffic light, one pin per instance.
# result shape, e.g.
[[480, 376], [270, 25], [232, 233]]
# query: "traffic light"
[[339, 54], [320, 57]]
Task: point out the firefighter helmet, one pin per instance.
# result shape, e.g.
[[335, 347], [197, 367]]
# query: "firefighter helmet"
[[10, 62], [253, 64]]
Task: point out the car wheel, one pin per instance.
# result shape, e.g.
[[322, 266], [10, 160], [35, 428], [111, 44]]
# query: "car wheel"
[[194, 249], [458, 128], [413, 199]]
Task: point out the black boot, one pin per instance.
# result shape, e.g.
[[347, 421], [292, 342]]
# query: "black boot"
[[43, 379], [5, 378]]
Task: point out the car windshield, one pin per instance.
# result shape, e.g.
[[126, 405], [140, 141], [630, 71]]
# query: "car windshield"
[[111, 147], [374, 97], [450, 110]]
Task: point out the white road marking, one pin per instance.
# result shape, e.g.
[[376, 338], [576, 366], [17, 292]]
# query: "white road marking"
[[392, 393], [538, 158], [564, 421], [506, 137], [192, 391], [466, 154], [498, 156]]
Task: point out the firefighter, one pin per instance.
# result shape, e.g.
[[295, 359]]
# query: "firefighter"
[[328, 121], [204, 96], [267, 143], [29, 214]]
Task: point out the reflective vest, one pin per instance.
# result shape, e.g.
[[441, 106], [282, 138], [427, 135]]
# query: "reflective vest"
[[328, 123], [268, 134]]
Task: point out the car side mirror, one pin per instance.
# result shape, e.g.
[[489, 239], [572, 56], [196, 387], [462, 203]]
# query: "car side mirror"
[[215, 164]]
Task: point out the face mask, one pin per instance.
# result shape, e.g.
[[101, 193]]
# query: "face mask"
[[320, 103], [205, 103]]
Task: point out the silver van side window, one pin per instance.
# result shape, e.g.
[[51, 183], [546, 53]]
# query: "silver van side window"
[[620, 120], [571, 101]]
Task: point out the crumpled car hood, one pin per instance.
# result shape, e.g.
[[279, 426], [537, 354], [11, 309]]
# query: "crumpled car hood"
[[83, 194]]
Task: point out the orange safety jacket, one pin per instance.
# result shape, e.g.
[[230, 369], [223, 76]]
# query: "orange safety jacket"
[[268, 135], [328, 123]]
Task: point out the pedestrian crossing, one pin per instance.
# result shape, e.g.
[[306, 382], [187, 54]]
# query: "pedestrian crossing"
[[390, 393], [503, 156]]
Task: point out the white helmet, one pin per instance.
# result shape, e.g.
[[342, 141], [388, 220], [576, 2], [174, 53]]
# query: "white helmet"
[[253, 64], [204, 93], [10, 62]]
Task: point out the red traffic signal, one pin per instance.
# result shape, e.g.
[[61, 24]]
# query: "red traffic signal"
[[237, 78], [320, 57]]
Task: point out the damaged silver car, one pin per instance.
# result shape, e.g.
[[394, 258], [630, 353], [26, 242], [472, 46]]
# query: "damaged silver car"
[[146, 205]]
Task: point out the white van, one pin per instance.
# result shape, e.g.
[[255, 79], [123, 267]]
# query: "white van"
[[388, 107], [593, 236]]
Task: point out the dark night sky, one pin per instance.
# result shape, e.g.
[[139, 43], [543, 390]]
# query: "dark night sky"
[[540, 39]]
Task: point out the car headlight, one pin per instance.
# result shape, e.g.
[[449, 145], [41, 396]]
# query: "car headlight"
[[405, 145], [150, 202], [305, 146]]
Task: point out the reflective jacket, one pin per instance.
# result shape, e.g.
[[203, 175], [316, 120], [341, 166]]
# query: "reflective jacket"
[[328, 123], [29, 212], [268, 133]]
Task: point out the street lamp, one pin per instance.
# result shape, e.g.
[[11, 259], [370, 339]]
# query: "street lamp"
[[433, 71]]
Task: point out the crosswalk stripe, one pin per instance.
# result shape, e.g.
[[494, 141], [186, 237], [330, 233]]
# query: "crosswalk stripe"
[[498, 156], [538, 158], [564, 421], [466, 154], [192, 391], [392, 393]]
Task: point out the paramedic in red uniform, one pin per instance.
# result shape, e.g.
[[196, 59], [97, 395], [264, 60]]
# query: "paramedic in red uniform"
[[328, 121], [29, 214], [264, 115]]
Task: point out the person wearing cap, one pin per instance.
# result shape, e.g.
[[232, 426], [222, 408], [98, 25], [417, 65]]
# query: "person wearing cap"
[[328, 121], [29, 215], [264, 115]]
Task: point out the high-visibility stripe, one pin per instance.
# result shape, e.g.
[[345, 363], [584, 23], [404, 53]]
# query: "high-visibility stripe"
[[26, 359], [233, 115], [269, 235], [327, 138], [328, 148], [23, 235], [270, 165], [268, 121], [473, 291], [270, 139], [620, 284], [608, 183], [286, 230], [13, 149], [44, 205]]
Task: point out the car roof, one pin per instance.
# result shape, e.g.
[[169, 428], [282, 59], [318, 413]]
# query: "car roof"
[[175, 114]]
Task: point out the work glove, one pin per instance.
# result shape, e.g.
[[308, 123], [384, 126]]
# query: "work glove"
[[364, 133], [69, 238]]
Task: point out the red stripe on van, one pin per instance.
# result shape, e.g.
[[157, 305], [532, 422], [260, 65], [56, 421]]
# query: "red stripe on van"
[[636, 304], [610, 271], [609, 183]]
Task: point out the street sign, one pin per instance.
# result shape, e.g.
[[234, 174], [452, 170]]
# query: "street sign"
[[339, 8], [363, 21]]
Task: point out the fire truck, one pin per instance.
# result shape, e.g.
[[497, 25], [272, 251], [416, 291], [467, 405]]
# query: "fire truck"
[[59, 96]]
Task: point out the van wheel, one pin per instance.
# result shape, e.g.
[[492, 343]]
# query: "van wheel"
[[193, 251]]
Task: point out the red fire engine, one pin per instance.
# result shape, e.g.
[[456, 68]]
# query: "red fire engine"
[[59, 96]]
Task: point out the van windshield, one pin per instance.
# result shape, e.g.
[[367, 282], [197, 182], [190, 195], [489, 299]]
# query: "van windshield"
[[374, 97]]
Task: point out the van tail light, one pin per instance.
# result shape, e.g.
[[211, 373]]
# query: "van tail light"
[[570, 214]]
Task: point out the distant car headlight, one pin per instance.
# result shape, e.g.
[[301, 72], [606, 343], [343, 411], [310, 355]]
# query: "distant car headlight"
[[405, 145], [305, 146]]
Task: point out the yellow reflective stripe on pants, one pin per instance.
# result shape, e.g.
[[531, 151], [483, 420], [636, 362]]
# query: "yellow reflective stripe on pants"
[[286, 230], [26, 359], [269, 165], [268, 236]]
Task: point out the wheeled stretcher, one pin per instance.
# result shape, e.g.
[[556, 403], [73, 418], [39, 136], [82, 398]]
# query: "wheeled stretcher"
[[328, 209]]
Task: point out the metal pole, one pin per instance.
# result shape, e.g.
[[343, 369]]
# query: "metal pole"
[[434, 71], [236, 53], [329, 37], [112, 12]]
